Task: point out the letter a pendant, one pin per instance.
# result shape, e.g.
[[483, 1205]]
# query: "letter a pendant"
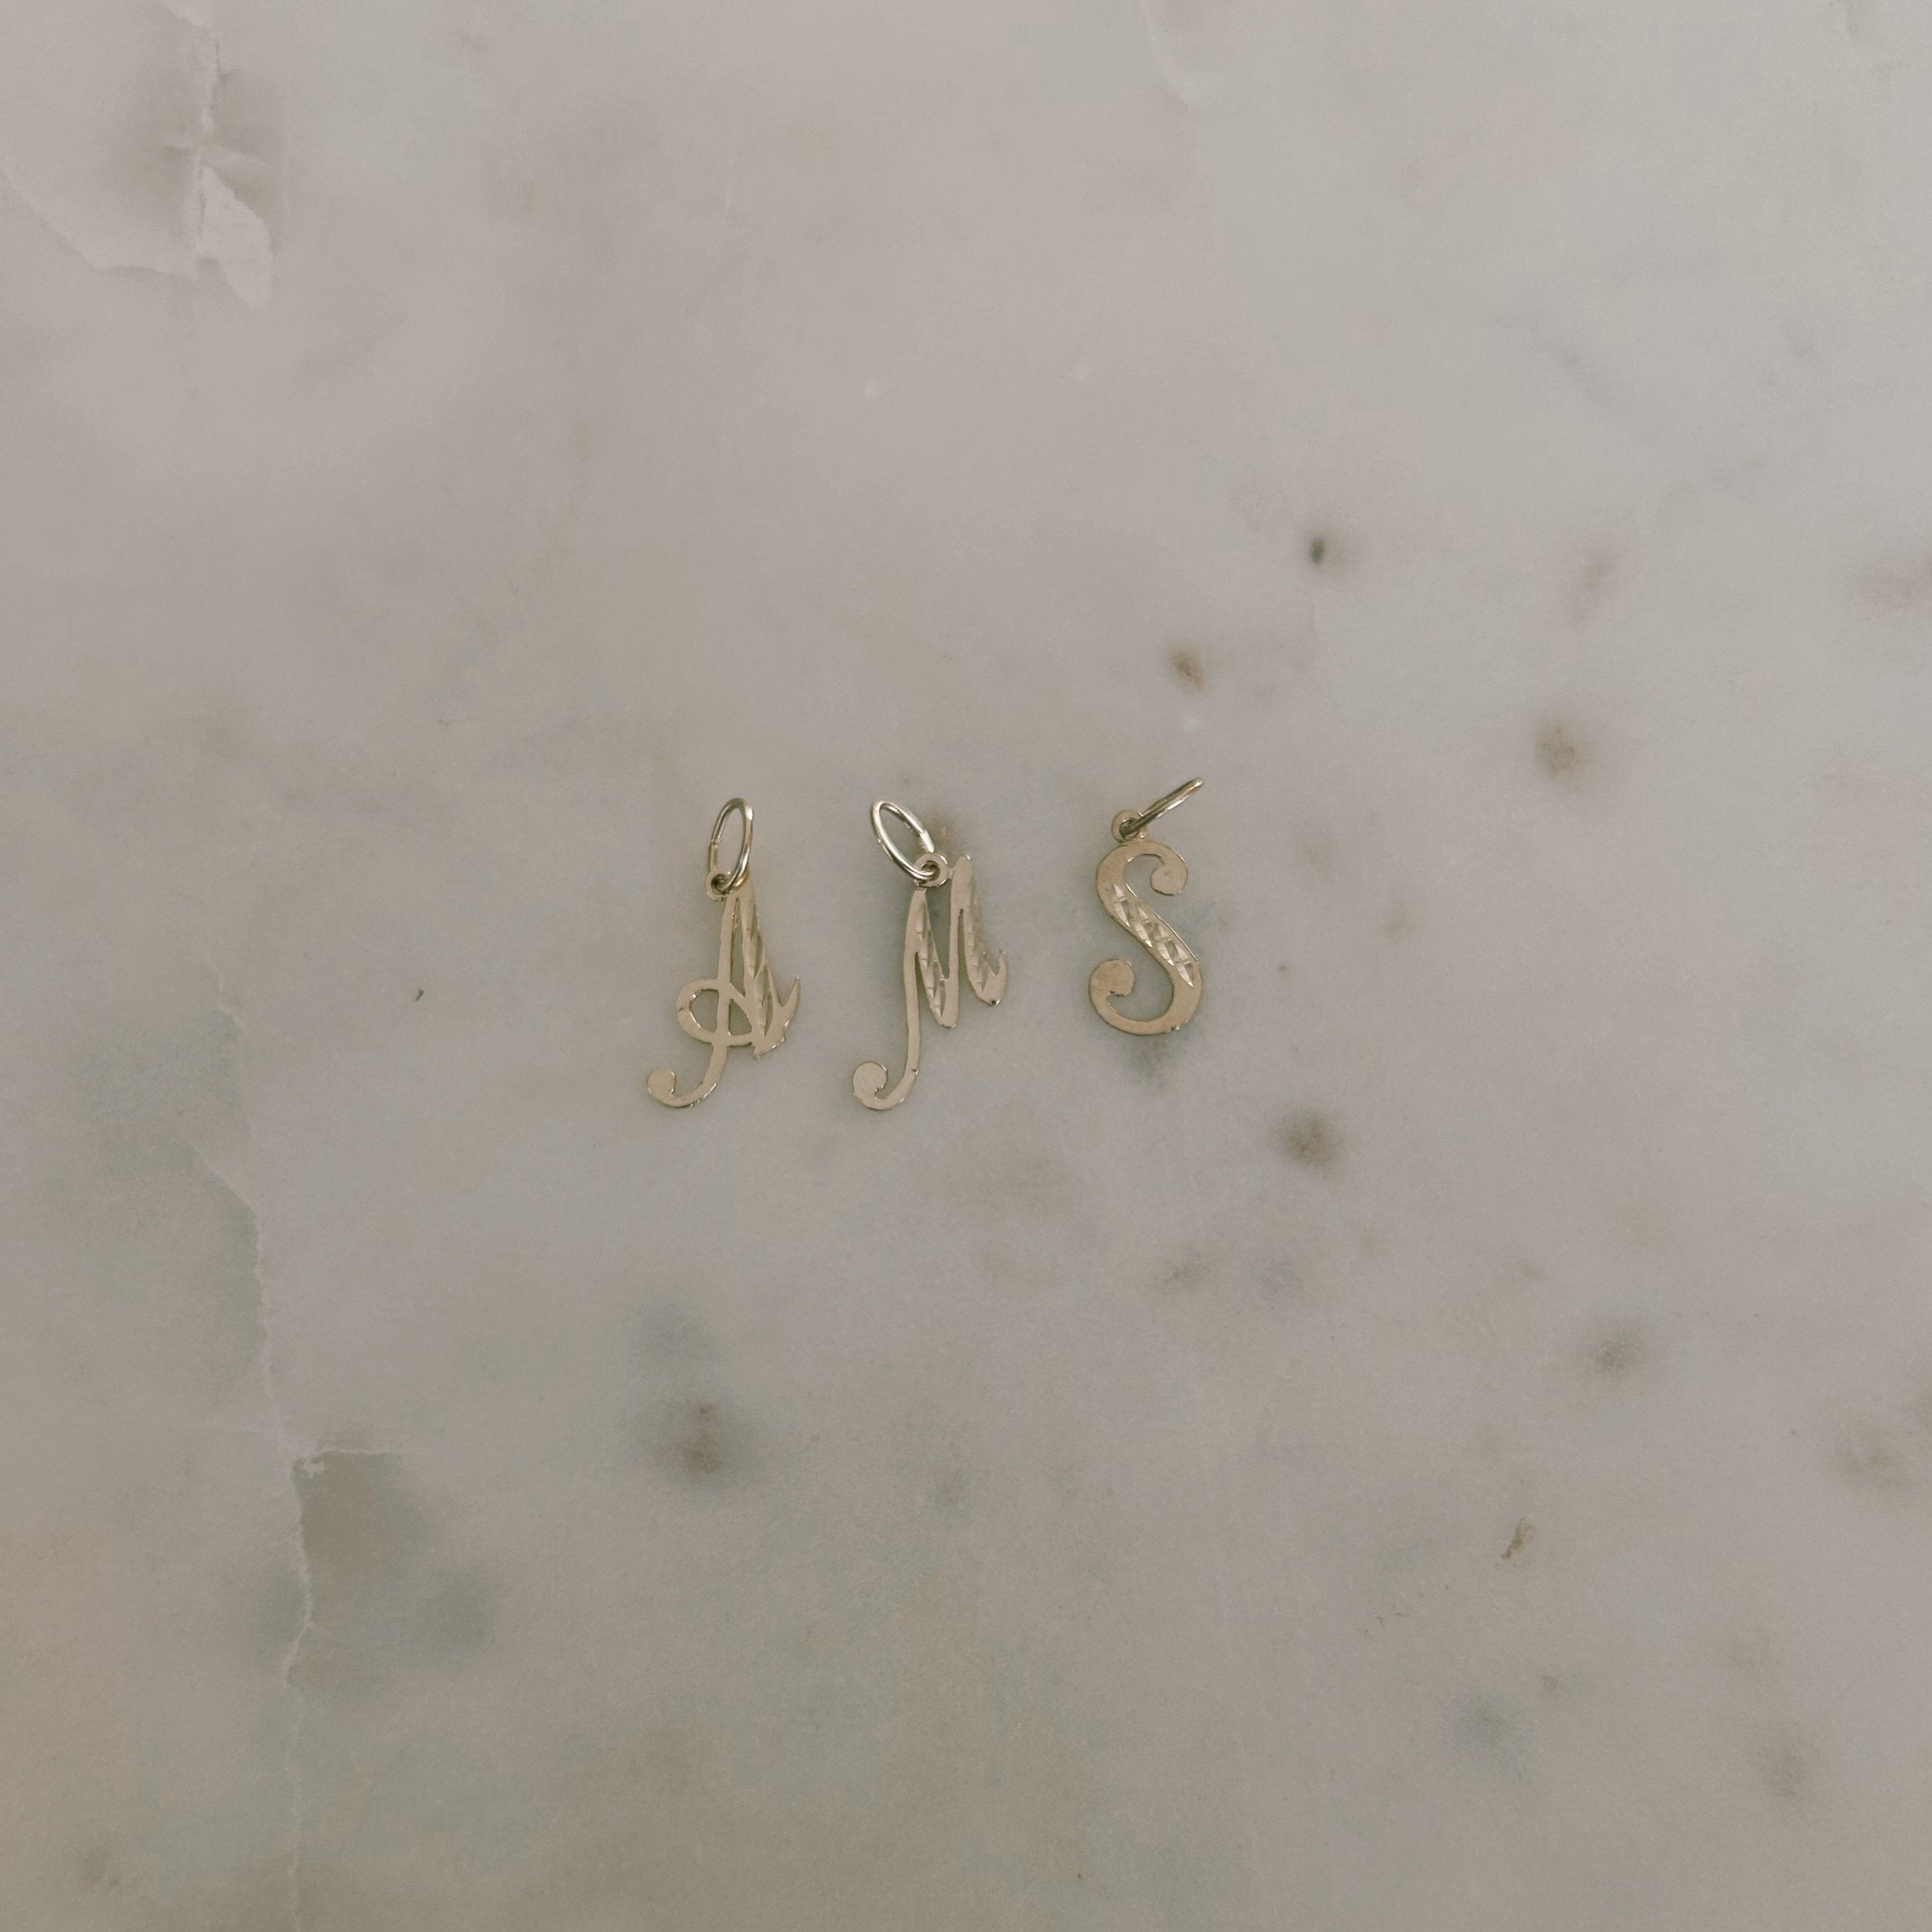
[[751, 992], [925, 973], [1114, 978]]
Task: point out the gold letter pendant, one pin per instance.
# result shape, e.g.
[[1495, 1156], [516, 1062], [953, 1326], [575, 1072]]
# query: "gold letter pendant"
[[753, 992], [1113, 979], [923, 971]]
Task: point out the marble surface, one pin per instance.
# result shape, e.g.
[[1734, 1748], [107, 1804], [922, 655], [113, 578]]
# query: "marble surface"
[[1444, 1442]]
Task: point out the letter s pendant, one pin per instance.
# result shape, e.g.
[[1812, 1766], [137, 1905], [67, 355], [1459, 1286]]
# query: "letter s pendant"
[[1113, 979]]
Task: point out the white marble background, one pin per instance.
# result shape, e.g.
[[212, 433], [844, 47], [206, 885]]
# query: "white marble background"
[[1444, 1442]]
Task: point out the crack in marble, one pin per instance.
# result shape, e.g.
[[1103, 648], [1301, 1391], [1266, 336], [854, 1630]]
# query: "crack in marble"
[[289, 1457]]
